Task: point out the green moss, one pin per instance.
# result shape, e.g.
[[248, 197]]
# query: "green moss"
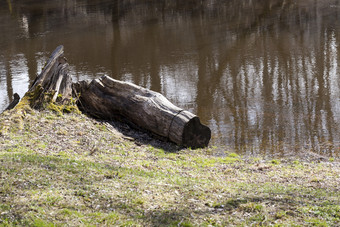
[[59, 109], [275, 162], [33, 99], [30, 97], [55, 108], [39, 99]]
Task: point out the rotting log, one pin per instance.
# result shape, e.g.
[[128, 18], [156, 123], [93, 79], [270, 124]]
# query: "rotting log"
[[107, 98]]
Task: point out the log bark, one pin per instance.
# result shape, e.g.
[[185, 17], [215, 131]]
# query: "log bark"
[[107, 98]]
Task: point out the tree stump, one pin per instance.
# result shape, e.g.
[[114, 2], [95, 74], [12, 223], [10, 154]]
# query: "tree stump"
[[53, 82]]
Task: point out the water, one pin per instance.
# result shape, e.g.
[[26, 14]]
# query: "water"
[[263, 75]]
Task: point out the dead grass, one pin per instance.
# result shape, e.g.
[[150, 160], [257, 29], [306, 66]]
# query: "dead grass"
[[75, 171]]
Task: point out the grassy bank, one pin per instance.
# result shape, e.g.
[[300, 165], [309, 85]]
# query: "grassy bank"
[[71, 170]]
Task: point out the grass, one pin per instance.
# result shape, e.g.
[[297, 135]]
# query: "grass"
[[66, 169]]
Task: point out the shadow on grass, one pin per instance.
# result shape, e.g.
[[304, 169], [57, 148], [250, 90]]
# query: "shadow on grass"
[[141, 136], [137, 134]]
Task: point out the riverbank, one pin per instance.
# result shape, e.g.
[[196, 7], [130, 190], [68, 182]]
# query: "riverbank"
[[68, 169]]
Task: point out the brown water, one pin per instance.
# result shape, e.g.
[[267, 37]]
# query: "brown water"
[[263, 75]]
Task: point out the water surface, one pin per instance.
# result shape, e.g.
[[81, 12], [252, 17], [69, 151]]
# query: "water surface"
[[263, 75]]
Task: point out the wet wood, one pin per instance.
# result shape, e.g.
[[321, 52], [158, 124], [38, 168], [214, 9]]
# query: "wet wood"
[[107, 98]]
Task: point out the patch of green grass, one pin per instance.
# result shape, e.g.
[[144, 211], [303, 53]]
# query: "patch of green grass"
[[94, 178], [296, 162], [37, 222], [184, 224], [326, 212], [251, 207], [233, 155], [256, 159], [110, 218], [203, 163], [316, 222], [257, 220], [280, 214], [230, 160]]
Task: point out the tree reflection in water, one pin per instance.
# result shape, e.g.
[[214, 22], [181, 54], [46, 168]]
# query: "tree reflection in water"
[[262, 74]]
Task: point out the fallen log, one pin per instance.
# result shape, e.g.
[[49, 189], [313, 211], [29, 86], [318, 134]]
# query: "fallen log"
[[107, 98]]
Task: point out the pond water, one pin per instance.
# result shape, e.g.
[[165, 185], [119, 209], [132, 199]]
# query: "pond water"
[[263, 75]]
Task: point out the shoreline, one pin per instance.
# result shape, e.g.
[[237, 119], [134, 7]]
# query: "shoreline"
[[68, 169]]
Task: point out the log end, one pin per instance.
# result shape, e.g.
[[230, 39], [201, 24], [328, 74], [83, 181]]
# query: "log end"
[[195, 134]]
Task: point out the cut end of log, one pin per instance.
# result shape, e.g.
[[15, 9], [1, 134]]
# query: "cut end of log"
[[195, 134]]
